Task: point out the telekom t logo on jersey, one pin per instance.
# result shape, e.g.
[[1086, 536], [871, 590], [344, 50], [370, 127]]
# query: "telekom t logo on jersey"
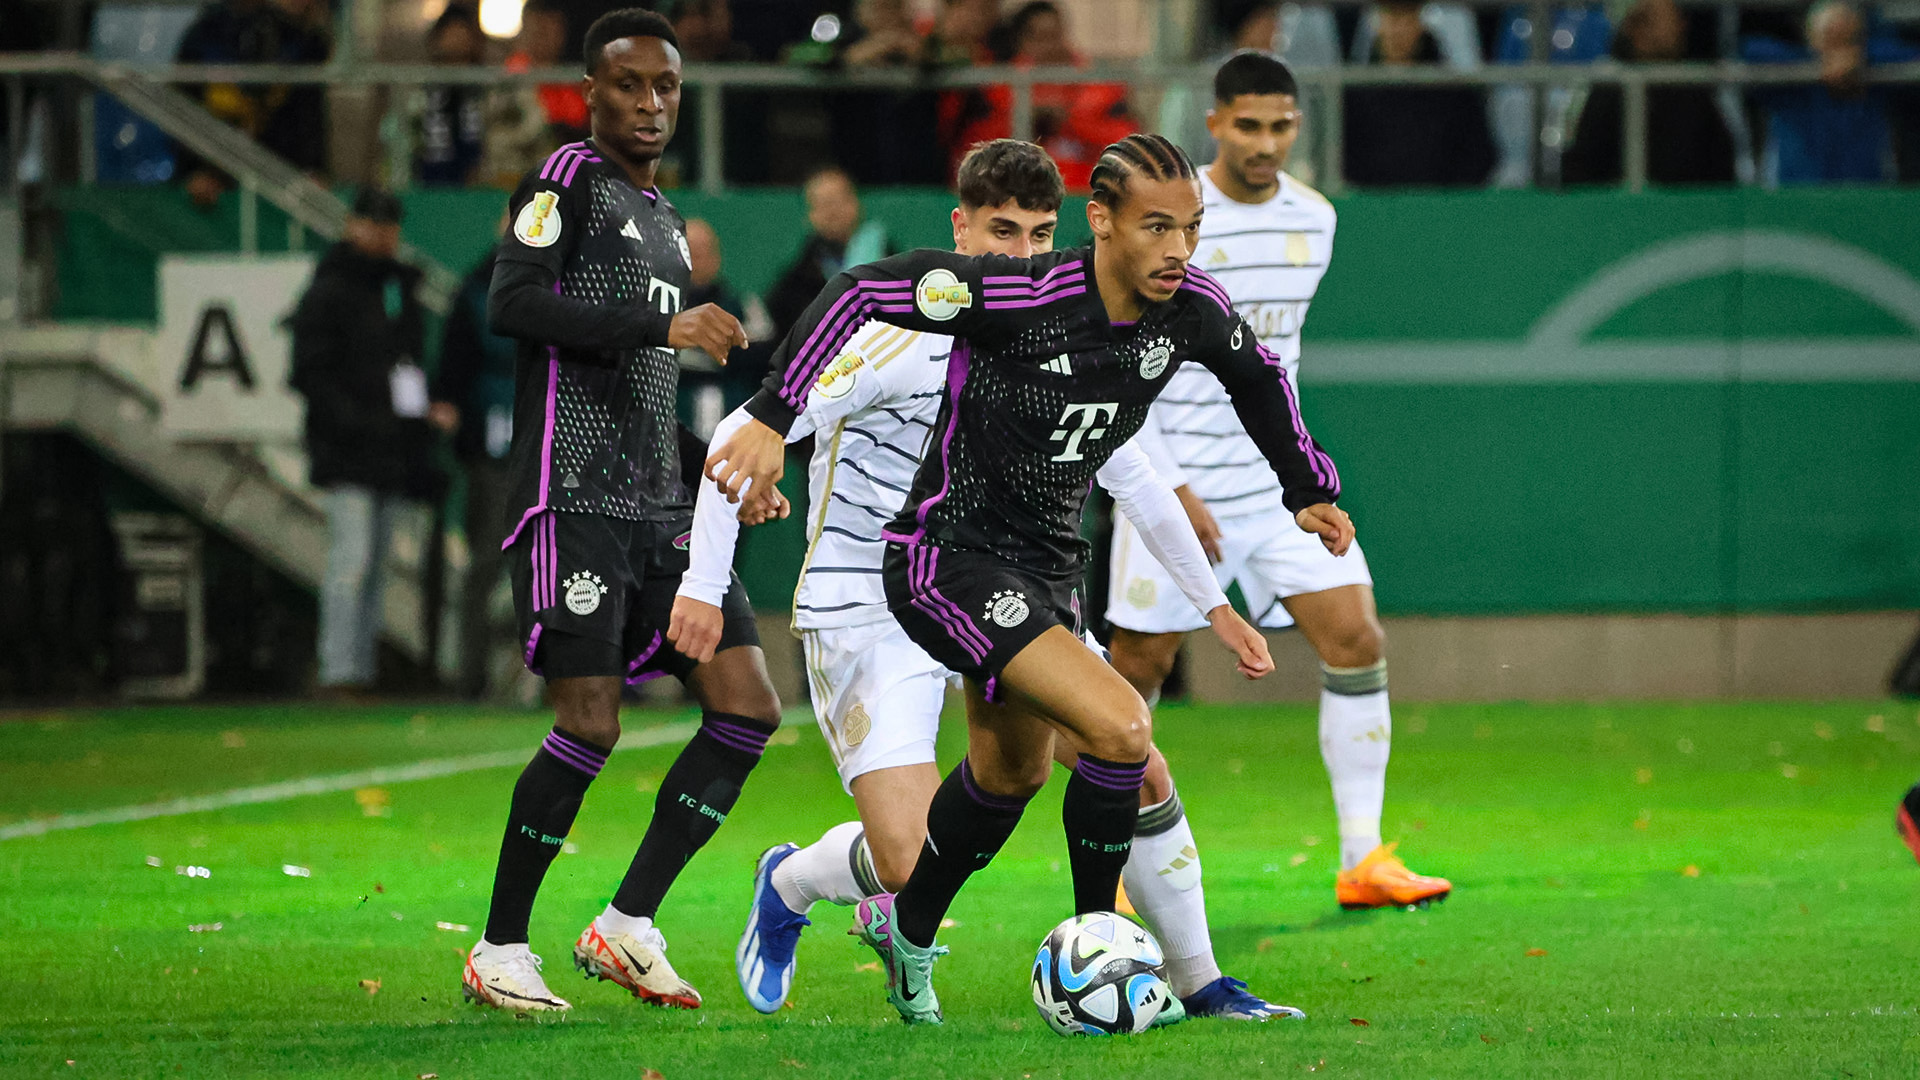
[[1099, 413]]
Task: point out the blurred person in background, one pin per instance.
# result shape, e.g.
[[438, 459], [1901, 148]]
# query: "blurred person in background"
[[473, 402], [357, 338], [543, 44], [966, 33], [449, 121], [1074, 122], [886, 136], [707, 390], [705, 28], [1414, 136], [887, 37], [1839, 130], [288, 120], [1688, 141], [839, 239]]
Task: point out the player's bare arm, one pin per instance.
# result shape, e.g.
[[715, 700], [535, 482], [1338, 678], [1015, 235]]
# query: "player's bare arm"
[[1330, 523], [755, 457]]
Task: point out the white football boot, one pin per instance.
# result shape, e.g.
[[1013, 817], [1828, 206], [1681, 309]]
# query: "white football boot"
[[508, 977], [636, 961]]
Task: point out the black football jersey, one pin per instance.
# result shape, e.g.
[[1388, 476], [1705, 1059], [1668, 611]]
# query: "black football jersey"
[[594, 428], [1041, 389]]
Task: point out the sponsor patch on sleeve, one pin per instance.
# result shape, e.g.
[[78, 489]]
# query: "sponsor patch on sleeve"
[[940, 296], [538, 224], [838, 378]]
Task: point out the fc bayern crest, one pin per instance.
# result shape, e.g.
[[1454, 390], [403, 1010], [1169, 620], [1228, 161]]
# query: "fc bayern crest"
[[1155, 360], [583, 591], [1008, 608]]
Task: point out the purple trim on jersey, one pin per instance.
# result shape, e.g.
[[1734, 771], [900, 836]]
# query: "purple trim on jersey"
[[1057, 294], [1323, 470], [1192, 285], [652, 194], [1110, 776], [582, 756], [565, 162], [936, 605], [747, 740], [987, 798], [1033, 284], [546, 443], [991, 691], [533, 645], [1208, 284], [959, 361], [836, 327]]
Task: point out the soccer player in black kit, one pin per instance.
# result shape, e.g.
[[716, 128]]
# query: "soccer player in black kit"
[[589, 281], [1054, 363]]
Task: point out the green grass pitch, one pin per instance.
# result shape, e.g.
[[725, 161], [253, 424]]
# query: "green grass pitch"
[[1710, 890]]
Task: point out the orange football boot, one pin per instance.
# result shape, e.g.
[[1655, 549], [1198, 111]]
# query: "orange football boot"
[[1382, 880], [1120, 902]]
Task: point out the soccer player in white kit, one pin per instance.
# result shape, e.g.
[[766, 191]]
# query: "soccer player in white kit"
[[877, 695], [1267, 238]]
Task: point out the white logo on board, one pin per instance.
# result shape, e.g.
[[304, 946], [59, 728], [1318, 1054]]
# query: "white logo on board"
[[583, 591]]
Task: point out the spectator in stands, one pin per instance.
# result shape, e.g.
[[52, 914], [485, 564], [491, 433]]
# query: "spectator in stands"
[[1839, 130], [288, 120], [543, 44], [473, 402], [966, 33], [449, 121], [839, 240], [708, 391], [1426, 136], [1687, 137], [705, 30], [1074, 122], [887, 37], [357, 337]]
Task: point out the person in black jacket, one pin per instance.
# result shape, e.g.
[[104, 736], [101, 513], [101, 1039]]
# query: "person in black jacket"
[[473, 400], [357, 336], [1414, 136], [1687, 137]]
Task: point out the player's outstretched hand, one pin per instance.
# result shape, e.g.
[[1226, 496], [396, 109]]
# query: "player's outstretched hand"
[[1204, 526], [1246, 642], [759, 511], [708, 328], [752, 458], [1330, 523], [694, 628]]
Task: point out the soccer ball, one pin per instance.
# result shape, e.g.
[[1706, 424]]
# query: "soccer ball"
[[1099, 974]]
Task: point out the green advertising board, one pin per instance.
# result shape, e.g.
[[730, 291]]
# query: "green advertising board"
[[1539, 402]]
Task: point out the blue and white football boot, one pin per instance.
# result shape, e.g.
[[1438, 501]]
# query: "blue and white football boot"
[[1226, 998], [764, 959]]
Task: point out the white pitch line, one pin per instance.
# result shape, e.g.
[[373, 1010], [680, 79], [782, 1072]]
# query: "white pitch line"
[[318, 785]]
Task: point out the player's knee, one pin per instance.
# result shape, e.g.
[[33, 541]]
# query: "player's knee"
[[1360, 644], [1158, 785], [598, 730], [893, 864], [1131, 737]]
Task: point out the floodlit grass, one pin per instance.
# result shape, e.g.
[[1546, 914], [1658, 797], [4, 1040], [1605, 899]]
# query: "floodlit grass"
[[1707, 890]]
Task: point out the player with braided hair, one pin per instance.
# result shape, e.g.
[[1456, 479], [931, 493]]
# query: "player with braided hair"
[[1055, 361]]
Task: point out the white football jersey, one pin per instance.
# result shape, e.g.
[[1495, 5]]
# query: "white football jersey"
[[871, 414], [1270, 256]]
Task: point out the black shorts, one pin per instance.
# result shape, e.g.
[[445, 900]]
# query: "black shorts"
[[973, 611], [600, 590]]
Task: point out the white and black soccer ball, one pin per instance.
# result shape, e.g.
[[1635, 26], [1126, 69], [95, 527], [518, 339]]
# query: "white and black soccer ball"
[[1099, 974]]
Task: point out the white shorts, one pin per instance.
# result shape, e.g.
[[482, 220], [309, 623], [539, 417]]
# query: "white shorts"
[[876, 695], [1267, 554]]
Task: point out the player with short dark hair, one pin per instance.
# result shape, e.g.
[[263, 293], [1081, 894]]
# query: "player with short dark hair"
[[589, 281], [1267, 238], [1055, 361]]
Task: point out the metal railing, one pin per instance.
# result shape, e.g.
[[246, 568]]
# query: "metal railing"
[[141, 88]]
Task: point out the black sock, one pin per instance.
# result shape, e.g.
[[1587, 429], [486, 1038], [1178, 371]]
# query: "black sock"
[[545, 800], [1100, 812], [966, 828], [696, 796]]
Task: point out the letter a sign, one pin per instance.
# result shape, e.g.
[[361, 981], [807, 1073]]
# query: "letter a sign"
[[221, 357]]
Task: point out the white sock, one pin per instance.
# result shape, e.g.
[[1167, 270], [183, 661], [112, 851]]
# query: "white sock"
[[1163, 881], [1356, 733], [827, 869], [615, 921]]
